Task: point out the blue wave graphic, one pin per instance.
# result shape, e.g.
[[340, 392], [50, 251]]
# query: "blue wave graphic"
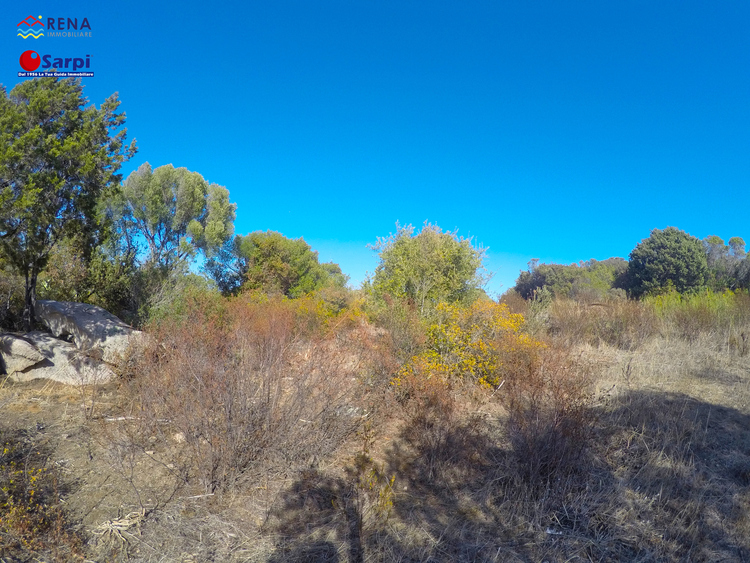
[[32, 34]]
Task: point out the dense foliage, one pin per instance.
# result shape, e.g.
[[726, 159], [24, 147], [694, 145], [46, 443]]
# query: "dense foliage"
[[669, 258], [428, 268], [58, 157], [270, 262], [728, 264], [587, 280], [466, 342]]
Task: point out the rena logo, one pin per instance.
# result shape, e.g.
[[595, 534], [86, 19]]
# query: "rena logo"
[[30, 61], [31, 31], [67, 23], [33, 26]]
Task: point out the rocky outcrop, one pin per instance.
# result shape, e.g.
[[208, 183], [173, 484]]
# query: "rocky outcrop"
[[91, 328], [99, 341], [58, 360], [65, 363], [17, 354]]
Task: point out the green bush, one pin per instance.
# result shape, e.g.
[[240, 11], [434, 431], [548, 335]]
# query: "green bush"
[[667, 259]]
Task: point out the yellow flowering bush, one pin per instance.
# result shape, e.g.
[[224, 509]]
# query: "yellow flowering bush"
[[469, 342]]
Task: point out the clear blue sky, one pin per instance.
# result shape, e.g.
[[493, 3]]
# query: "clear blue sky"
[[558, 130]]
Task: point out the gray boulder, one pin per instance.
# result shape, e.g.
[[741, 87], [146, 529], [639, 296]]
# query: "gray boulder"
[[63, 362], [17, 354], [91, 328]]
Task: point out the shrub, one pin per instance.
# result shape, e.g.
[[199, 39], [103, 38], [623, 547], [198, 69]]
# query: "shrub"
[[428, 268], [724, 316], [461, 343], [244, 382], [586, 281], [514, 301], [401, 321], [547, 393], [32, 521]]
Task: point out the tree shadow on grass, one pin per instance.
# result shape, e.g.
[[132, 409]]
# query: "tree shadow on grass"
[[317, 521], [665, 478]]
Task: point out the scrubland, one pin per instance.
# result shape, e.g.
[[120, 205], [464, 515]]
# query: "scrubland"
[[256, 428]]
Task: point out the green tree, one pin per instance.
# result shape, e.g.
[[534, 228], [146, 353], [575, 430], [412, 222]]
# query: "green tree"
[[585, 281], [58, 156], [667, 258], [737, 247], [428, 268], [741, 262], [175, 211], [227, 266], [271, 262]]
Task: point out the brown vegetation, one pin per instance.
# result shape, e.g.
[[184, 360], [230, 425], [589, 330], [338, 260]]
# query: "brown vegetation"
[[256, 429]]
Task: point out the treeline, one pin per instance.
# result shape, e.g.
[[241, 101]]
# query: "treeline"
[[71, 229], [668, 260]]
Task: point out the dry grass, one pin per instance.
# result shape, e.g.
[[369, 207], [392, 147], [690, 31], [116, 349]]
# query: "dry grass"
[[266, 389], [626, 441]]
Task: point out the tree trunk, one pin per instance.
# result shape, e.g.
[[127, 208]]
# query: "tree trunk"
[[29, 312]]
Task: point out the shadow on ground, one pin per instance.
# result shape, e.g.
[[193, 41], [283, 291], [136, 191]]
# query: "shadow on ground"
[[665, 478]]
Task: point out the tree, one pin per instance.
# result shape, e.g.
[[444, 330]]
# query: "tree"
[[737, 247], [428, 268], [668, 258], [58, 156], [273, 263], [227, 266], [584, 281], [175, 211], [721, 264], [727, 264]]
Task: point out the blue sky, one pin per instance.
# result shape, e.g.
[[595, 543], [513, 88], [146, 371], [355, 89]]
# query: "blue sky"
[[544, 129]]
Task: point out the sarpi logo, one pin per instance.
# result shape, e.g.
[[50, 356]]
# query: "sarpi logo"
[[31, 60], [27, 28]]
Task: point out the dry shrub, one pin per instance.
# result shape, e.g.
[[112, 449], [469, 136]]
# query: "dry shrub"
[[236, 385], [429, 411], [33, 524], [402, 323], [11, 299], [515, 303], [547, 392], [625, 324]]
